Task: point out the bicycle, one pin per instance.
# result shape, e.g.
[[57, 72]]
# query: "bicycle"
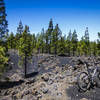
[[89, 78]]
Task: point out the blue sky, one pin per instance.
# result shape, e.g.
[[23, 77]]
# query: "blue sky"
[[69, 14]]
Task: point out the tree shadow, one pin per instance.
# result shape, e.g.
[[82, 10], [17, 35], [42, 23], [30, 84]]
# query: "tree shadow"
[[33, 74], [10, 84]]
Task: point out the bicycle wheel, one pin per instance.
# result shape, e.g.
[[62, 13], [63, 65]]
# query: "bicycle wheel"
[[98, 80], [83, 81]]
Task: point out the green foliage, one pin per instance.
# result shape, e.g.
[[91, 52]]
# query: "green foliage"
[[86, 36], [98, 43], [20, 28], [74, 42], [17, 40], [3, 37], [79, 48], [34, 41], [94, 48], [69, 43], [3, 21], [61, 46], [87, 42], [25, 47], [19, 34], [83, 47], [3, 59], [52, 41], [56, 35], [40, 45], [11, 43], [48, 36]]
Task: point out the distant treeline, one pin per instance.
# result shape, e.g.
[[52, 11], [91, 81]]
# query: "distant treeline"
[[52, 41]]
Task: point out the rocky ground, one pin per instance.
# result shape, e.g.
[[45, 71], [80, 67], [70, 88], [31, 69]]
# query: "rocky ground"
[[49, 78]]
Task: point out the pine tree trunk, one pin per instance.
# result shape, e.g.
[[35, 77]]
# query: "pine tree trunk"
[[73, 52], [55, 50], [25, 66], [42, 50], [49, 50]]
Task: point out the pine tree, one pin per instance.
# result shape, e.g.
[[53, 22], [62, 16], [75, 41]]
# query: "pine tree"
[[74, 42], [79, 52], [40, 45], [42, 38], [49, 36], [56, 35], [3, 21], [83, 46], [18, 34], [69, 43], [94, 49], [61, 46], [69, 37], [86, 35], [87, 42], [3, 59], [46, 42], [17, 39], [25, 47], [3, 37], [20, 28], [34, 42], [38, 42], [98, 43], [11, 41]]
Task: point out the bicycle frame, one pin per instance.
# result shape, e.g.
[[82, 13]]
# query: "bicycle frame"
[[95, 70], [90, 73], [90, 77]]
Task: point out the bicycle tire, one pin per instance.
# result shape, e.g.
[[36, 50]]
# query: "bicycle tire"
[[80, 84], [98, 80]]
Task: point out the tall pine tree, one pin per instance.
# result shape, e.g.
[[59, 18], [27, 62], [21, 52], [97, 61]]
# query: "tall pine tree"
[[3, 34], [49, 36], [69, 43], [25, 47], [11, 41], [61, 46], [19, 33], [20, 28], [98, 43], [56, 35], [74, 42], [87, 42], [3, 21]]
